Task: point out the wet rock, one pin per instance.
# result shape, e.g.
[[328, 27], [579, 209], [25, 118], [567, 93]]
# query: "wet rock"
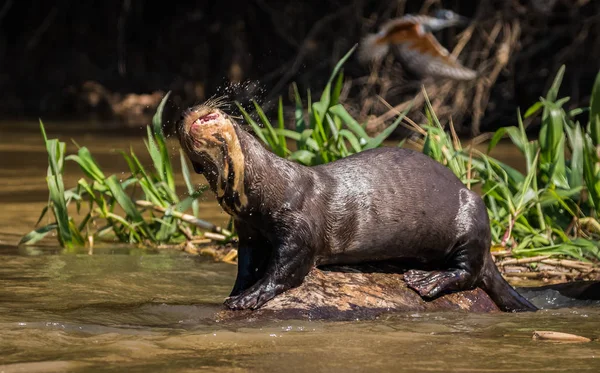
[[348, 293]]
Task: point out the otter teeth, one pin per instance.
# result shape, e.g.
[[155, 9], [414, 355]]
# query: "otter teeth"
[[207, 119]]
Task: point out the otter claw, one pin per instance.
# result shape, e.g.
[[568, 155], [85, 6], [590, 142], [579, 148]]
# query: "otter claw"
[[240, 302], [431, 284], [250, 299]]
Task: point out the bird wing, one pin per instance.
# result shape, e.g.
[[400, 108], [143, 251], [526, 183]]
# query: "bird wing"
[[421, 51]]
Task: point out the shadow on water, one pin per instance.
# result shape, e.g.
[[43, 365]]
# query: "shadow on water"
[[128, 309]]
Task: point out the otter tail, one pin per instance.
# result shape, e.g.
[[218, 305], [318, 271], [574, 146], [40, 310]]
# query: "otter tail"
[[501, 292], [372, 49]]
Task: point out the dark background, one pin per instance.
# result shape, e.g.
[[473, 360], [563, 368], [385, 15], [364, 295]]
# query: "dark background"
[[256, 48]]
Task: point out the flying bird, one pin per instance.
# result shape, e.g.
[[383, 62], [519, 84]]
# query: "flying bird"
[[411, 40]]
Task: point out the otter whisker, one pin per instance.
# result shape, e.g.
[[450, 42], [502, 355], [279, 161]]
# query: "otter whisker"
[[217, 102]]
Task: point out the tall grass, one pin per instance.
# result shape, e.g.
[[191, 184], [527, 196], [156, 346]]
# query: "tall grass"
[[550, 208], [155, 218], [323, 132]]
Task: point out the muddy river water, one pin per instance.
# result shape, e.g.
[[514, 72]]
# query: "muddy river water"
[[124, 309]]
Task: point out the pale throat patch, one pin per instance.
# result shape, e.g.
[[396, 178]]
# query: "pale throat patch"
[[219, 141], [235, 154]]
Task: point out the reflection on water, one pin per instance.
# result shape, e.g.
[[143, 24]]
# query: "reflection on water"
[[132, 310]]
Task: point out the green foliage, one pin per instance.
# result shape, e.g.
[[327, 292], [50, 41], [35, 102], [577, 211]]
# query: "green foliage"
[[549, 209], [541, 211], [323, 132], [106, 196]]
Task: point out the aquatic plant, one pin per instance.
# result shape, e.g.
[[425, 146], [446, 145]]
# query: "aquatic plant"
[[324, 133], [156, 218], [551, 209], [542, 216], [548, 212]]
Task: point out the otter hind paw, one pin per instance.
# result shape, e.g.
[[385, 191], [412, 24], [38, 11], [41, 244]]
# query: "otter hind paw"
[[434, 283]]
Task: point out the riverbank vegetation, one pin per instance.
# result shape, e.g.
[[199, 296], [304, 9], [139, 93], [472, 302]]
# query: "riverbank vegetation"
[[544, 221]]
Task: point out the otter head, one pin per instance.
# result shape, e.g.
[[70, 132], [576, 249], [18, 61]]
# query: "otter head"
[[208, 137]]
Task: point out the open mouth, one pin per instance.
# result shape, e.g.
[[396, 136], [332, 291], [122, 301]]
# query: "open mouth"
[[211, 118]]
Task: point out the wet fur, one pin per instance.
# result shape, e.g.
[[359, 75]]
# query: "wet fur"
[[377, 205]]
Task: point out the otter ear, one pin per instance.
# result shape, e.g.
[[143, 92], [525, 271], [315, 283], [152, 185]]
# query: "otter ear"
[[197, 167]]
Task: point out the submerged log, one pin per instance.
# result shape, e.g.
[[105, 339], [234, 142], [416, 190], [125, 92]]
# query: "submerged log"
[[345, 293]]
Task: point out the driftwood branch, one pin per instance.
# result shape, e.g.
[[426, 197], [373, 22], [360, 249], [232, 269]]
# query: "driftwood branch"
[[348, 293], [203, 224]]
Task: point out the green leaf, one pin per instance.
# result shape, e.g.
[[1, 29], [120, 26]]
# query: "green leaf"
[[76, 233], [340, 63], [302, 156], [559, 173], [326, 98], [255, 127], [168, 228], [551, 136], [575, 112], [319, 133], [88, 164], [553, 91], [590, 176], [37, 234], [337, 89], [166, 170], [280, 119], [189, 201], [575, 172], [352, 124], [189, 184], [533, 109], [430, 112], [299, 111], [127, 205], [595, 129], [42, 214], [154, 152], [307, 140], [133, 234], [332, 127], [379, 139], [146, 182], [595, 111], [56, 155], [278, 147], [351, 137], [303, 138], [157, 119], [498, 135]]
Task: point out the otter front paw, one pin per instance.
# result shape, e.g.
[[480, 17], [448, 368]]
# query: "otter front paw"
[[253, 298]]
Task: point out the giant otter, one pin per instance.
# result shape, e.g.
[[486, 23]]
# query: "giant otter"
[[384, 204]]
